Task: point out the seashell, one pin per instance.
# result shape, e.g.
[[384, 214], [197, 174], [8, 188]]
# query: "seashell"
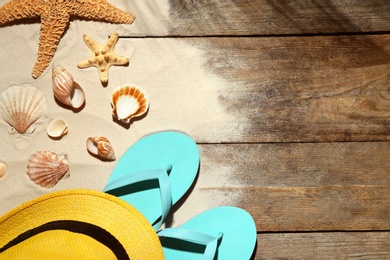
[[100, 146], [65, 89], [128, 102], [57, 128], [3, 168], [21, 106], [46, 168]]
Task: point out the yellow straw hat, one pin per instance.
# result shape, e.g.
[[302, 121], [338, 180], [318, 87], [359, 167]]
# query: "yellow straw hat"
[[77, 224]]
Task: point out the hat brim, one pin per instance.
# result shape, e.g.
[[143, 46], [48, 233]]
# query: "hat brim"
[[78, 223]]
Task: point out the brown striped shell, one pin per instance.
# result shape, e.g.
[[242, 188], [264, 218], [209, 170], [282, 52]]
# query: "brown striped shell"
[[65, 89], [46, 168], [101, 147]]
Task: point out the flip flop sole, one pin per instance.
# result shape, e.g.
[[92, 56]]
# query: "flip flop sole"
[[238, 240], [158, 150]]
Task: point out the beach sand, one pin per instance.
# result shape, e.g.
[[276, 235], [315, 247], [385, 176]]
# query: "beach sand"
[[183, 96]]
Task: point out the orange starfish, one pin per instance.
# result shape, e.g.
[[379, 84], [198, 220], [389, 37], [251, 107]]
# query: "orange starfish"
[[55, 16]]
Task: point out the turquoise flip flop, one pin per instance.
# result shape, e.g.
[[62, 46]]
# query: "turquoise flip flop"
[[154, 173], [219, 233]]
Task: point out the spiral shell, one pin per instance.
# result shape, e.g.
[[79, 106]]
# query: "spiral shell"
[[128, 102], [21, 106], [65, 89], [46, 168], [101, 146]]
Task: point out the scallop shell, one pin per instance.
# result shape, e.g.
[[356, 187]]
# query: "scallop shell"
[[57, 128], [128, 102], [21, 106], [101, 146], [65, 89], [3, 168], [46, 168]]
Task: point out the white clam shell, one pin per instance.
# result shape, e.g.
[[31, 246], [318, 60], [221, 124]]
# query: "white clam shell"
[[65, 89], [46, 168], [101, 147], [21, 106], [3, 168], [57, 128], [128, 102]]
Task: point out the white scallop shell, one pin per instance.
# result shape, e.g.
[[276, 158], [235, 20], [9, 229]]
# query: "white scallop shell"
[[65, 89], [57, 128], [3, 168], [46, 168], [101, 146], [21, 106], [128, 102]]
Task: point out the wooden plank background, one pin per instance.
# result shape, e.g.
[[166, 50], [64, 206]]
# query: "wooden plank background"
[[308, 149], [303, 89], [277, 17]]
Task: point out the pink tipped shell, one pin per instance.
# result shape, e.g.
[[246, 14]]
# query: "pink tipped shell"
[[21, 106], [46, 168], [128, 102], [65, 89], [101, 146]]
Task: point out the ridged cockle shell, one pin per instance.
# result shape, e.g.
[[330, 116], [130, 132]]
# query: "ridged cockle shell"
[[128, 102], [21, 106], [101, 146], [65, 89], [46, 168]]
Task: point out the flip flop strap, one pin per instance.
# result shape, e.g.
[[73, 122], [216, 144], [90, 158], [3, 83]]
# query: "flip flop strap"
[[151, 174], [210, 242]]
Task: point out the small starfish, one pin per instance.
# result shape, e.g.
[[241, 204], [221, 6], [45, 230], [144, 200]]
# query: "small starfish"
[[55, 15], [102, 57]]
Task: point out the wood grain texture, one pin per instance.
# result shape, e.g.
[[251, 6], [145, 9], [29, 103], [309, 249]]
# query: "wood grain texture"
[[270, 17], [329, 245], [324, 208], [301, 89], [297, 187], [293, 165], [297, 209]]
